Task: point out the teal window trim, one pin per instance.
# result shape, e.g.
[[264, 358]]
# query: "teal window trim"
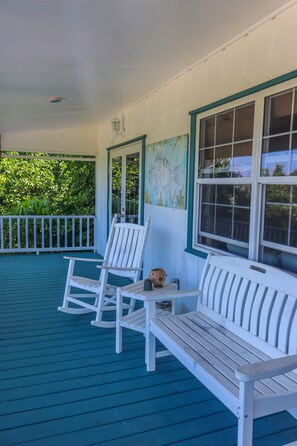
[[193, 116], [141, 139]]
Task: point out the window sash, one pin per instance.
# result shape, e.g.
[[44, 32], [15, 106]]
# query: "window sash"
[[257, 181]]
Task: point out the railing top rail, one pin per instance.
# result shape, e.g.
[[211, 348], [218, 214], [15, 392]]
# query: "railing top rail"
[[47, 216]]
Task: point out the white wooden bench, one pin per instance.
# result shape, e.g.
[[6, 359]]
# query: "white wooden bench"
[[241, 343]]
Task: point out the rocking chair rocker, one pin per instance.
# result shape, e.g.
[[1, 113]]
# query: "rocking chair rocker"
[[123, 257]]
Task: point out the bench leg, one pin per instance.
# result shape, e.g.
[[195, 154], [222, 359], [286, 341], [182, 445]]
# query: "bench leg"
[[150, 340], [119, 329], [245, 414]]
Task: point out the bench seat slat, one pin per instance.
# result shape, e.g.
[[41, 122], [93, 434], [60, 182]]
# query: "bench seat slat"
[[238, 356], [206, 340], [252, 354], [219, 353], [222, 366]]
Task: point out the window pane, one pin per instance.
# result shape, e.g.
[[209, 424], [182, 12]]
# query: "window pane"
[[276, 224], [132, 187], [293, 234], [278, 111], [225, 194], [212, 243], [243, 195], [207, 132], [244, 123], [278, 193], [242, 159], [208, 193], [116, 173], [223, 225], [294, 194], [224, 127], [223, 161], [294, 155], [241, 224], [206, 163], [295, 113], [276, 156], [225, 212], [207, 218]]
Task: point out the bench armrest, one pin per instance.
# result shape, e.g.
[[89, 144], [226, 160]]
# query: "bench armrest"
[[266, 369], [82, 259]]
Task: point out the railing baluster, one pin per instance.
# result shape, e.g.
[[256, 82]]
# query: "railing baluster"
[[66, 231], [73, 231], [88, 232], [27, 233], [80, 231], [2, 232], [34, 233], [10, 234], [58, 232], [19, 233], [50, 233]]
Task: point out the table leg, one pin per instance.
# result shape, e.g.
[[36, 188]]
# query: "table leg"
[[150, 340], [119, 329]]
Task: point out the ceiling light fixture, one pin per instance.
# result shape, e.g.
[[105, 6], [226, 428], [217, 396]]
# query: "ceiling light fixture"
[[118, 126], [54, 99]]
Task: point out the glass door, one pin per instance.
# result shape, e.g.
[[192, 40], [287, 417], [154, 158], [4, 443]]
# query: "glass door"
[[125, 183]]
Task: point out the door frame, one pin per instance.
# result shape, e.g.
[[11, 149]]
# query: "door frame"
[[142, 140]]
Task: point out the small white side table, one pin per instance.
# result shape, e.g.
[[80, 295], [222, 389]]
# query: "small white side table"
[[139, 320]]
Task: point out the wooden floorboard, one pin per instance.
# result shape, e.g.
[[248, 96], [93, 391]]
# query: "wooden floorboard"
[[61, 382]]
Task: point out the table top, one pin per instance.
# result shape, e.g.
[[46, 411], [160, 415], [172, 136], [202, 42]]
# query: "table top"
[[167, 292]]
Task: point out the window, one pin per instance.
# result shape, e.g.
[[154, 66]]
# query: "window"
[[245, 188]]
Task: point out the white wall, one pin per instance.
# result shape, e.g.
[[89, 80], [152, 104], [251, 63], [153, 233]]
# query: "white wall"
[[259, 54], [76, 141]]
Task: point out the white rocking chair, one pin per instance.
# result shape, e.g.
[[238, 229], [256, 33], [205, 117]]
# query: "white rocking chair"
[[123, 257]]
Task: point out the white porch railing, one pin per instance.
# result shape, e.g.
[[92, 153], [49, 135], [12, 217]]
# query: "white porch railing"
[[35, 233]]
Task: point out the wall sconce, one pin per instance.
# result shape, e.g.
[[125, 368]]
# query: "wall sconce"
[[117, 126]]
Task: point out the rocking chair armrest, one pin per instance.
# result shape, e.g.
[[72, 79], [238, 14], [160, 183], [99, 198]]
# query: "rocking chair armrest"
[[266, 369], [118, 268], [82, 259]]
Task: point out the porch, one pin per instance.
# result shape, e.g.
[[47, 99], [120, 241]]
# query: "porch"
[[63, 383]]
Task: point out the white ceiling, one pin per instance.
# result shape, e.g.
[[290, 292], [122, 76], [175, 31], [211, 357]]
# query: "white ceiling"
[[102, 55]]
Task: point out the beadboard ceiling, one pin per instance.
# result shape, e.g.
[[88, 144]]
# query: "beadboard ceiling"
[[102, 55]]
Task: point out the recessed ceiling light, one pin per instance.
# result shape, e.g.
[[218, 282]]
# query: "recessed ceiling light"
[[55, 99]]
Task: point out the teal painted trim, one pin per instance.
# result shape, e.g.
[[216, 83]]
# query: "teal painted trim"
[[118, 146], [191, 181], [196, 253], [249, 91], [142, 179], [126, 143]]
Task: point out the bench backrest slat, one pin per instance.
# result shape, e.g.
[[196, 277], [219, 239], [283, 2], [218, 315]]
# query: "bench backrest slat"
[[259, 299]]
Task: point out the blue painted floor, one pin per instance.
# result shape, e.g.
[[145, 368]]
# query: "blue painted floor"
[[61, 382]]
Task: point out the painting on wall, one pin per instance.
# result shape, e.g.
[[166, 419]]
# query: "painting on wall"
[[166, 172]]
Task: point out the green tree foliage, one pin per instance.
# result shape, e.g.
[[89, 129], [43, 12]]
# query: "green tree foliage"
[[40, 186]]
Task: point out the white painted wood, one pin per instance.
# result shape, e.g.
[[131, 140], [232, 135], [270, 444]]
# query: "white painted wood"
[[12, 226], [241, 347], [123, 238], [245, 414], [139, 320]]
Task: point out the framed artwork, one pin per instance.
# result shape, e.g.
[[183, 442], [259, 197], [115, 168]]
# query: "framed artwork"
[[166, 172]]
